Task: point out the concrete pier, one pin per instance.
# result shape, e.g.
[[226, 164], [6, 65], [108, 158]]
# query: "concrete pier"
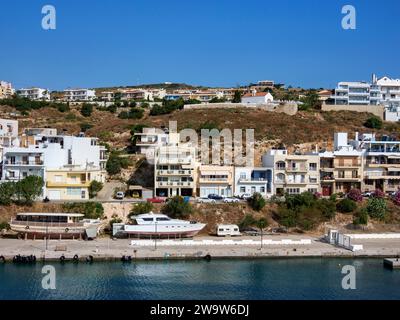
[[392, 263]]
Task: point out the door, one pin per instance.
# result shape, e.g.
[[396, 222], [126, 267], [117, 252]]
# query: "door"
[[326, 191], [54, 194]]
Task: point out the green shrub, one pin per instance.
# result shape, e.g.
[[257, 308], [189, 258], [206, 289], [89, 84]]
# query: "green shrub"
[[94, 188], [346, 206], [377, 208], [247, 221], [257, 201], [7, 192], [373, 123], [177, 207], [91, 210], [361, 217], [85, 126], [86, 110], [4, 226], [141, 208], [28, 189]]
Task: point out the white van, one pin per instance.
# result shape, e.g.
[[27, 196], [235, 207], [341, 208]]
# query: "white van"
[[224, 230]]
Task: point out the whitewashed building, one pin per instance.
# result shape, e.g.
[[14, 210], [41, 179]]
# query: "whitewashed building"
[[257, 98], [79, 95], [249, 180], [34, 93]]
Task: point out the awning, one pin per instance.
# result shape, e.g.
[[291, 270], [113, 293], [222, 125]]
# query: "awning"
[[394, 169]]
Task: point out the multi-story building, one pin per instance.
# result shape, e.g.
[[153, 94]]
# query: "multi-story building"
[[357, 93], [390, 92], [19, 163], [215, 180], [293, 173], [175, 169], [249, 180], [149, 139], [6, 89], [8, 133], [34, 93], [381, 163], [79, 95]]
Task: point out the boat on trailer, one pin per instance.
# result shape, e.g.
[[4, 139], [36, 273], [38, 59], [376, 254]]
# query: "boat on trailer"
[[161, 226], [55, 226]]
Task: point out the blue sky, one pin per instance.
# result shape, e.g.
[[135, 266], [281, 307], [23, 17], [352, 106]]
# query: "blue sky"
[[208, 42]]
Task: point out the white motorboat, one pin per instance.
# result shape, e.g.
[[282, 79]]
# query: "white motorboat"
[[160, 225]]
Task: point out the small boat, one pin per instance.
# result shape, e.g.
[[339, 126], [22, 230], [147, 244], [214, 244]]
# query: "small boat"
[[55, 226], [160, 225]]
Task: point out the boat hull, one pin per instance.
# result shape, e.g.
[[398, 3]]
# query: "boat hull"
[[164, 231]]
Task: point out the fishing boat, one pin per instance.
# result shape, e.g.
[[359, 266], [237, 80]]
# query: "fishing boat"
[[55, 226], [160, 225]]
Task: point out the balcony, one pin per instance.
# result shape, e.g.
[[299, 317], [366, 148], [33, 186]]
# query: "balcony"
[[253, 180], [175, 184], [82, 184], [174, 172], [23, 163], [297, 169]]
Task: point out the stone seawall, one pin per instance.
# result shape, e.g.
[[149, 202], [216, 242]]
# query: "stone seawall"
[[376, 110]]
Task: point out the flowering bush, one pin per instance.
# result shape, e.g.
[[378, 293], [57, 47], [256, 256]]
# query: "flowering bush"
[[317, 195], [355, 195], [378, 194], [396, 198]]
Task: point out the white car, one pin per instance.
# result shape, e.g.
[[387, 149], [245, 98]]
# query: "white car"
[[231, 200], [119, 195], [246, 196], [205, 200]]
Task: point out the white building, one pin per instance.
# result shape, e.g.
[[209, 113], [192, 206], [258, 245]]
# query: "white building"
[[79, 95], [249, 180], [390, 92], [257, 98], [34, 93], [149, 139], [357, 93]]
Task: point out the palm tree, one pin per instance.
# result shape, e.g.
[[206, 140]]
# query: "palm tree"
[[262, 223]]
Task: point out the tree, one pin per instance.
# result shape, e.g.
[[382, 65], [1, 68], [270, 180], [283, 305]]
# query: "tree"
[[373, 123], [116, 163], [377, 208], [91, 210], [346, 206], [177, 207], [247, 221], [262, 223], [7, 191], [237, 97], [86, 109], [85, 126], [257, 201], [140, 208], [94, 188], [29, 189]]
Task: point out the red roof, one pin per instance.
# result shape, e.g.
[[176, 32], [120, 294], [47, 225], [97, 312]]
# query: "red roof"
[[257, 94]]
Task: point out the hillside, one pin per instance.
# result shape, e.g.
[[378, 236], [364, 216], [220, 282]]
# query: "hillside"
[[303, 130]]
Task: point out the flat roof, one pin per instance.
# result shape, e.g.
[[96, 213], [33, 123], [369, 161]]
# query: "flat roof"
[[50, 214]]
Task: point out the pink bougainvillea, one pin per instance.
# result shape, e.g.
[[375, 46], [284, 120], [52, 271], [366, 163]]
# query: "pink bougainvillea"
[[355, 195], [378, 194]]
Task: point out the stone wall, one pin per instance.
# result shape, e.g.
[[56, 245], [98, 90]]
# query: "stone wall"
[[376, 110]]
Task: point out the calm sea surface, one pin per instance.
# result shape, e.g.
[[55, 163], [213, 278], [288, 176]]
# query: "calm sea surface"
[[217, 279]]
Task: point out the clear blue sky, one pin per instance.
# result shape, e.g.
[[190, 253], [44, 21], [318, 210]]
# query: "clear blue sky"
[[207, 42]]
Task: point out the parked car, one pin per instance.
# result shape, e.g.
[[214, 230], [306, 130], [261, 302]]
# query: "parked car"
[[231, 200], [367, 194], [120, 195], [156, 200], [215, 197], [246, 196], [205, 200]]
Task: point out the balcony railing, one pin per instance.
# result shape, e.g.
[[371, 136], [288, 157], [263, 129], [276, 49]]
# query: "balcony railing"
[[24, 163], [46, 224]]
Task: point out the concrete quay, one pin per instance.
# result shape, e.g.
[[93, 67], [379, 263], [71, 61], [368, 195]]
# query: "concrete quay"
[[108, 249]]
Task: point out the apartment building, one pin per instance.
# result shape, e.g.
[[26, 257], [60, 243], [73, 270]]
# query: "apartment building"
[[249, 180], [6, 89], [357, 93], [19, 163], [34, 94], [71, 163], [293, 173], [381, 163], [135, 94], [79, 95], [8, 133], [390, 92], [175, 169], [215, 180], [149, 140]]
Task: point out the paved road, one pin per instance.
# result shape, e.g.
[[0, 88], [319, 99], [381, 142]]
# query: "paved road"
[[107, 193]]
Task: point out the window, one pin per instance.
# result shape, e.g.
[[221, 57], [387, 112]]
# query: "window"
[[280, 165], [262, 189], [242, 189], [58, 178], [312, 190], [242, 175], [73, 191], [313, 167]]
